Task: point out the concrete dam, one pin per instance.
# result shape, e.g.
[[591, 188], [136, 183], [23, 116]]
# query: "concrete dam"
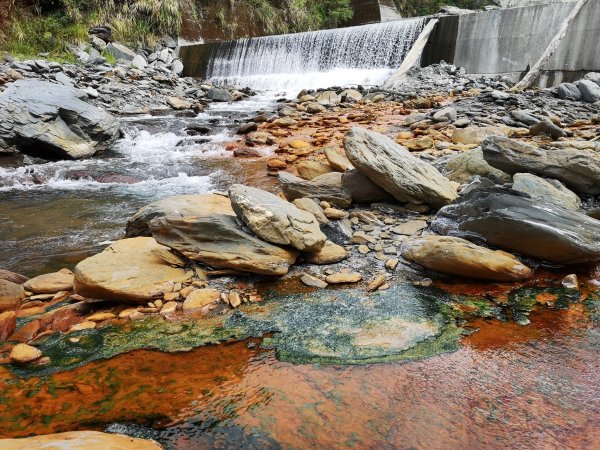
[[502, 41]]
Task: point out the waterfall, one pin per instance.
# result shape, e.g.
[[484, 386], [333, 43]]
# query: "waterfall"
[[348, 56]]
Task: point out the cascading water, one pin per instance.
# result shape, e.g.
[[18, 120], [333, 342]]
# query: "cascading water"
[[349, 56]]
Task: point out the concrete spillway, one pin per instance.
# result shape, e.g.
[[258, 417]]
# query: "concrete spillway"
[[354, 55]]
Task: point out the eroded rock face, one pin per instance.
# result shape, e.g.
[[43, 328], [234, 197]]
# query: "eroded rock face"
[[456, 256], [218, 240], [577, 169], [395, 170], [89, 440], [275, 220], [294, 187], [52, 121], [127, 271], [514, 222], [183, 205]]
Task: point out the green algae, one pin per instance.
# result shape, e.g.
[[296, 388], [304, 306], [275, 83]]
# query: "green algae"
[[328, 327], [522, 301]]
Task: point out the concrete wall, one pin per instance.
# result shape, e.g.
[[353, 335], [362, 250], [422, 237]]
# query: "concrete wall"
[[510, 41]]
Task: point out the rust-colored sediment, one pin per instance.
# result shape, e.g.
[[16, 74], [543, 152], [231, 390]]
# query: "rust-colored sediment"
[[509, 385]]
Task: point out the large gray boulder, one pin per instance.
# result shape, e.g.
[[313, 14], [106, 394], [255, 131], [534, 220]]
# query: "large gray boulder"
[[184, 205], [568, 91], [547, 190], [396, 171], [463, 167], [52, 121], [120, 51], [275, 220], [578, 169], [218, 241], [511, 221], [590, 91]]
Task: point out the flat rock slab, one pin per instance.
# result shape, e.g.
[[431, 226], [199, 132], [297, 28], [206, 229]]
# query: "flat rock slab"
[[218, 241], [395, 170], [276, 220], [88, 440], [456, 256], [182, 205], [127, 271], [505, 219], [50, 283], [53, 122], [578, 169]]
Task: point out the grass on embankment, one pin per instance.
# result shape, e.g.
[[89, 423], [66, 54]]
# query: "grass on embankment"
[[38, 26]]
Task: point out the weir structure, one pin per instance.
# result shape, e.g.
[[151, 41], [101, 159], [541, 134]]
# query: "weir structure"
[[559, 40]]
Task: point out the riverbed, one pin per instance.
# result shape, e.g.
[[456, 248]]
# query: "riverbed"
[[499, 385]]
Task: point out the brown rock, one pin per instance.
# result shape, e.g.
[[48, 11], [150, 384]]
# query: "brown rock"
[[337, 159], [127, 271], [200, 298], [342, 277], [8, 323], [331, 253], [11, 295], [26, 332], [455, 256], [101, 317], [312, 169], [12, 277], [24, 353], [50, 283]]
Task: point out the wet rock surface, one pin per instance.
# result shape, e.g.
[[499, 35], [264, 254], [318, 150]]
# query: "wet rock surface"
[[53, 121], [519, 224]]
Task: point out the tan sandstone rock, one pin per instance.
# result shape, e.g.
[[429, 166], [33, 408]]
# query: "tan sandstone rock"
[[456, 256], [126, 271], [88, 440]]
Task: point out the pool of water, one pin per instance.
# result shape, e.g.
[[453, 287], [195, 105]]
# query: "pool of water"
[[508, 386]]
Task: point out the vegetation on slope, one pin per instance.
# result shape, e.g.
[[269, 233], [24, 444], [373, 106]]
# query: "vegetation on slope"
[[410, 8], [29, 27]]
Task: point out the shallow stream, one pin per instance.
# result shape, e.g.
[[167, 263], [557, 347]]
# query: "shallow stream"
[[321, 369]]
